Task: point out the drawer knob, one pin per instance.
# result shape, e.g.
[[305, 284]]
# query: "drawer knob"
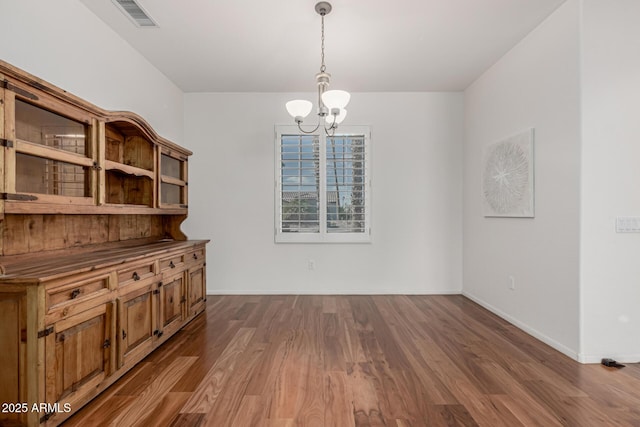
[[124, 334], [195, 256], [75, 293], [172, 265], [136, 276]]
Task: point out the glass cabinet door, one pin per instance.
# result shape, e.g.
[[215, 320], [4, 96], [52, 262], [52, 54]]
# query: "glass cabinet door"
[[173, 180], [47, 176], [52, 153]]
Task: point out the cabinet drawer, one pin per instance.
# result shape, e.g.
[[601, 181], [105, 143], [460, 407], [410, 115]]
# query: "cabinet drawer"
[[77, 291], [136, 273], [196, 256], [174, 262]]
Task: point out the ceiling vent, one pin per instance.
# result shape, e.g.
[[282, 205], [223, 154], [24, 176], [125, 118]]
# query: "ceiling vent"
[[135, 12]]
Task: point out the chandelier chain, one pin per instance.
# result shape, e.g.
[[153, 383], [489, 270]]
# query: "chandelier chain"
[[322, 66]]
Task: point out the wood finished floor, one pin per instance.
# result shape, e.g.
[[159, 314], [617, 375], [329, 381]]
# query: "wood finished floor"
[[361, 361]]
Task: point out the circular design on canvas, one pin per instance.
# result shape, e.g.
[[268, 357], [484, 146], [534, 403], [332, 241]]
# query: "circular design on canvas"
[[506, 177]]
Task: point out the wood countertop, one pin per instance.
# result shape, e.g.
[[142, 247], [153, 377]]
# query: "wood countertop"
[[40, 267]]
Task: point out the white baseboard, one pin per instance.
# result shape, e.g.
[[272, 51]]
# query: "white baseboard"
[[329, 292], [621, 358], [526, 328]]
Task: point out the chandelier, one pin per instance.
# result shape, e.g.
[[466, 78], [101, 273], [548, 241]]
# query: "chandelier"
[[331, 103]]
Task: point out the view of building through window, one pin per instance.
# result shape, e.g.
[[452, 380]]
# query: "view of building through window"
[[345, 184]]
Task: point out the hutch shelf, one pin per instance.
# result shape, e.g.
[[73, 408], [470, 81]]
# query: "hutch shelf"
[[95, 272]]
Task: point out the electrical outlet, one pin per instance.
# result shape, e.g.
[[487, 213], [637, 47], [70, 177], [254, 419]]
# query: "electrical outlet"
[[311, 264], [512, 283]]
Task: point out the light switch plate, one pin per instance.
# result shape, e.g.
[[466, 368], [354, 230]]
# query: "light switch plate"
[[628, 224]]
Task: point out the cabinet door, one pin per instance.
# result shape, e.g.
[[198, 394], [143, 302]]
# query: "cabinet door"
[[78, 354], [172, 301], [173, 180], [52, 153], [136, 324], [197, 289], [12, 369]]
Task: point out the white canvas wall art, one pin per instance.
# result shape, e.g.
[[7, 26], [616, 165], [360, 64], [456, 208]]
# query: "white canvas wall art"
[[507, 177]]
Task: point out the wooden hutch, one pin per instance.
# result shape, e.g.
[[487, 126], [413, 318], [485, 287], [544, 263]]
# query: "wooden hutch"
[[94, 270]]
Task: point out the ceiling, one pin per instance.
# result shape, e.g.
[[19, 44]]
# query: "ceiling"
[[370, 45]]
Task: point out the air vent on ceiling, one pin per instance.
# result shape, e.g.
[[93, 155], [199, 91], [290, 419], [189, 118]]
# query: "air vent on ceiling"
[[135, 12]]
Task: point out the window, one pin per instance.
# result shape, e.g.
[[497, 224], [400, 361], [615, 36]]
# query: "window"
[[323, 185]]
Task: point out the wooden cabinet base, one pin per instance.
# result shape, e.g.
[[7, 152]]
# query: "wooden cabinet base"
[[71, 325]]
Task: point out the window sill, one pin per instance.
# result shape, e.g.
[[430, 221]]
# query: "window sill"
[[319, 238]]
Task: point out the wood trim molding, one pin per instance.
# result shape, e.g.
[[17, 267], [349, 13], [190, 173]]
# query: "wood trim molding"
[[15, 73]]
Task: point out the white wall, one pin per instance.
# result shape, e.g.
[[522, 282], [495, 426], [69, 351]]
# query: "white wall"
[[535, 85], [416, 196], [65, 44], [576, 286], [610, 267]]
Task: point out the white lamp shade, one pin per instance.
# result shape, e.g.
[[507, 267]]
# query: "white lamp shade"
[[339, 118], [299, 108], [336, 99]]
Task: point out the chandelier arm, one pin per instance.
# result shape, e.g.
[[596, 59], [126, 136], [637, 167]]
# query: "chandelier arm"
[[308, 132], [334, 125], [332, 128]]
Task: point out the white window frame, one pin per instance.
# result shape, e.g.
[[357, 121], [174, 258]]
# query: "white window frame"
[[323, 236]]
